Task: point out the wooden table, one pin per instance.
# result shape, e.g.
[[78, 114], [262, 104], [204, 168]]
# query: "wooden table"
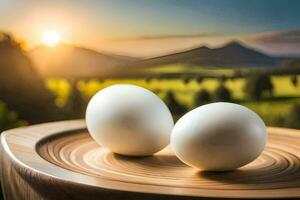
[[59, 161]]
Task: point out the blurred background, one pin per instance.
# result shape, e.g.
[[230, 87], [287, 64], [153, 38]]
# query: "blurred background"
[[55, 55]]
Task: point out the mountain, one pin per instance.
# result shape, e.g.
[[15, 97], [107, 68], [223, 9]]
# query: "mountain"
[[76, 62], [233, 54]]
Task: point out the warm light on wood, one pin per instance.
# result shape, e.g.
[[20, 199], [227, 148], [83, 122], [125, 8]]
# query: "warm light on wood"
[[60, 161]]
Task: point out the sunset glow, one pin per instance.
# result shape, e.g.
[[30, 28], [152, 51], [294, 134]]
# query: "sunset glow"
[[142, 28], [51, 38]]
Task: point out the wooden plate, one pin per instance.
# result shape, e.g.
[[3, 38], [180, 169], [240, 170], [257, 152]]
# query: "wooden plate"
[[60, 161]]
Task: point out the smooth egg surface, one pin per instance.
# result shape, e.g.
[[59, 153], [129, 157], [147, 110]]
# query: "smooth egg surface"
[[219, 137], [129, 120]]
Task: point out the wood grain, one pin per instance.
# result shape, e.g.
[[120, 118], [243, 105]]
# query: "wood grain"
[[60, 161]]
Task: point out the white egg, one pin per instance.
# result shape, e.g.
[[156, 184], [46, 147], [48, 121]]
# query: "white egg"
[[129, 120], [219, 137]]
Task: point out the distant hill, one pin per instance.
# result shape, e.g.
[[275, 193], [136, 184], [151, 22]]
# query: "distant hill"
[[293, 64], [231, 55], [76, 62]]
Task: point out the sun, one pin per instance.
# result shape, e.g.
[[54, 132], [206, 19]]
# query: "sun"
[[51, 38]]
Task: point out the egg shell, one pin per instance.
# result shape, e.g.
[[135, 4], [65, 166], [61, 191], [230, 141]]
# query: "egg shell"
[[219, 137], [129, 120]]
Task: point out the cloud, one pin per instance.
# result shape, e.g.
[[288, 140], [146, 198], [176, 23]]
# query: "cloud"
[[277, 42], [171, 36], [279, 37]]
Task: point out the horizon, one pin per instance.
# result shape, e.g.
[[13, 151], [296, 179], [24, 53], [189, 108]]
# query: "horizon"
[[245, 45], [148, 29]]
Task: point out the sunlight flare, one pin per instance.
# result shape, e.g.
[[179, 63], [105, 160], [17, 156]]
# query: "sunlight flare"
[[51, 38]]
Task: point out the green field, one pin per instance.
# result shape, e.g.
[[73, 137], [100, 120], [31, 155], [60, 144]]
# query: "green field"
[[180, 68], [285, 94]]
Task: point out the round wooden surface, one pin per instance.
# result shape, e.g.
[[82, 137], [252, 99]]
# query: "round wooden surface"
[[65, 152]]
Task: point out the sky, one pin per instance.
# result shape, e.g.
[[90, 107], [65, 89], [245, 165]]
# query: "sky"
[[153, 27]]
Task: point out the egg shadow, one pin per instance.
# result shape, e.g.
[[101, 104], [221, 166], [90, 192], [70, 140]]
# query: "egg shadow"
[[152, 160], [236, 176]]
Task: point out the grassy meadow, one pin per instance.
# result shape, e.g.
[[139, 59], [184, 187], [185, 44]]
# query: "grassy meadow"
[[180, 68], [285, 94]]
